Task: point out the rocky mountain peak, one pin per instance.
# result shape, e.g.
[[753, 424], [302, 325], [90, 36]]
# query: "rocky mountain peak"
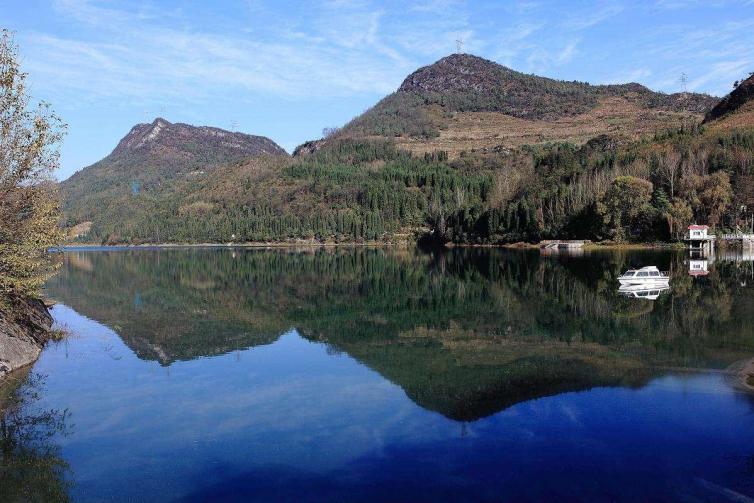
[[161, 134], [457, 72]]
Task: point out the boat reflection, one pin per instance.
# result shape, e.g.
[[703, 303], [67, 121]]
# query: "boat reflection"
[[642, 291]]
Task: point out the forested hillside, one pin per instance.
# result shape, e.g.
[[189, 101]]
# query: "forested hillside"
[[625, 184], [151, 161]]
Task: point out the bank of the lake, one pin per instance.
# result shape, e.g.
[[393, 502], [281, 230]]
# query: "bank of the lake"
[[25, 328], [402, 242]]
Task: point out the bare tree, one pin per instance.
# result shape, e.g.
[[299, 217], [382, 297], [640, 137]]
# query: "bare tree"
[[667, 168], [329, 131]]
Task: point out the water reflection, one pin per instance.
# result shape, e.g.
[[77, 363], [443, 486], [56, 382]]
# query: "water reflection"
[[642, 292], [31, 466], [465, 333]]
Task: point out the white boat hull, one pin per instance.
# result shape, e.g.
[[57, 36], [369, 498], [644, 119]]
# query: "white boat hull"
[[643, 291], [648, 282]]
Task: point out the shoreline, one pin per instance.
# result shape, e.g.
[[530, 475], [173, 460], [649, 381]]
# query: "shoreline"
[[25, 329], [741, 375], [367, 244], [259, 245]]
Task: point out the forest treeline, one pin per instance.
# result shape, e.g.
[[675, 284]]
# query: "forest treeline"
[[367, 189]]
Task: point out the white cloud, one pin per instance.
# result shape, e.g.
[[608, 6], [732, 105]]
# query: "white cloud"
[[540, 59], [435, 6], [637, 75], [711, 57], [342, 55], [567, 53], [584, 20], [719, 71]]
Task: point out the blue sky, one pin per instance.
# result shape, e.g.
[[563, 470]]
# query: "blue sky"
[[288, 69]]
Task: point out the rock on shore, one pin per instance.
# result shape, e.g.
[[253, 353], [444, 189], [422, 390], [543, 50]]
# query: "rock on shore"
[[24, 329]]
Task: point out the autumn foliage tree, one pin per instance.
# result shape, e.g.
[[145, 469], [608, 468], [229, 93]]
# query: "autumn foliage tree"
[[623, 203], [29, 213], [709, 196]]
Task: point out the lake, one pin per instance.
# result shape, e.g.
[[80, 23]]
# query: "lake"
[[388, 375]]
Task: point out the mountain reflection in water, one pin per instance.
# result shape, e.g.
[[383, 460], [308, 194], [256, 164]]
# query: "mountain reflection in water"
[[465, 333]]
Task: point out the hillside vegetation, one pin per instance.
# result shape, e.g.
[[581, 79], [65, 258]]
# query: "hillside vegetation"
[[152, 160], [463, 99], [740, 97], [358, 185]]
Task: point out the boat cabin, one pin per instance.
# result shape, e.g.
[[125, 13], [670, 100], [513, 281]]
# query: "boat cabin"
[[644, 273]]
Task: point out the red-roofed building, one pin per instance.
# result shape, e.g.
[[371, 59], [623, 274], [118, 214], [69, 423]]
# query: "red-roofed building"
[[699, 231], [698, 267], [699, 238]]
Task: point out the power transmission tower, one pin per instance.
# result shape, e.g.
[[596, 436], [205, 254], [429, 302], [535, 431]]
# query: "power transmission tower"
[[459, 45], [233, 125], [684, 80]]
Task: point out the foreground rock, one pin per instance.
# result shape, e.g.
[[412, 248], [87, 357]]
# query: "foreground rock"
[[25, 327]]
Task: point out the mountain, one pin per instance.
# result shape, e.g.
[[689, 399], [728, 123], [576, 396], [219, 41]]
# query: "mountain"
[[153, 159], [465, 151], [463, 102], [737, 108]]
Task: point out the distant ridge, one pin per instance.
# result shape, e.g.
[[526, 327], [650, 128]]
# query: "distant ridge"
[[161, 134], [464, 101], [465, 151], [152, 159], [741, 96], [458, 81]]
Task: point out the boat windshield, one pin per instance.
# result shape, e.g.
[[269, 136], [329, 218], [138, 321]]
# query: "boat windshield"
[[629, 273]]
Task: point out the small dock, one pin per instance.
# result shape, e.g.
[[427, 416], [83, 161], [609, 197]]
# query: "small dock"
[[746, 241], [562, 244], [699, 238]]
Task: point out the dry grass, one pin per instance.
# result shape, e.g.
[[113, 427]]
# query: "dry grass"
[[79, 230], [615, 116], [743, 118]]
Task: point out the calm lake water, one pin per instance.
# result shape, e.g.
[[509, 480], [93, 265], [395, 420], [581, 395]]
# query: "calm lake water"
[[388, 375]]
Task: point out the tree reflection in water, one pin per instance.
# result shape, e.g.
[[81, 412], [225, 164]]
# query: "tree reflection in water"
[[464, 332], [31, 465]]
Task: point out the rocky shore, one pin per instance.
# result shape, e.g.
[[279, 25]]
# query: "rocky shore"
[[25, 327]]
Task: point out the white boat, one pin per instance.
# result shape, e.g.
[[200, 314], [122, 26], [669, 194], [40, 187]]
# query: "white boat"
[[643, 291], [647, 276]]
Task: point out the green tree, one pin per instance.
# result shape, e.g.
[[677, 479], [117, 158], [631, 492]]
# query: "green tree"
[[627, 198], [29, 214], [679, 217]]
